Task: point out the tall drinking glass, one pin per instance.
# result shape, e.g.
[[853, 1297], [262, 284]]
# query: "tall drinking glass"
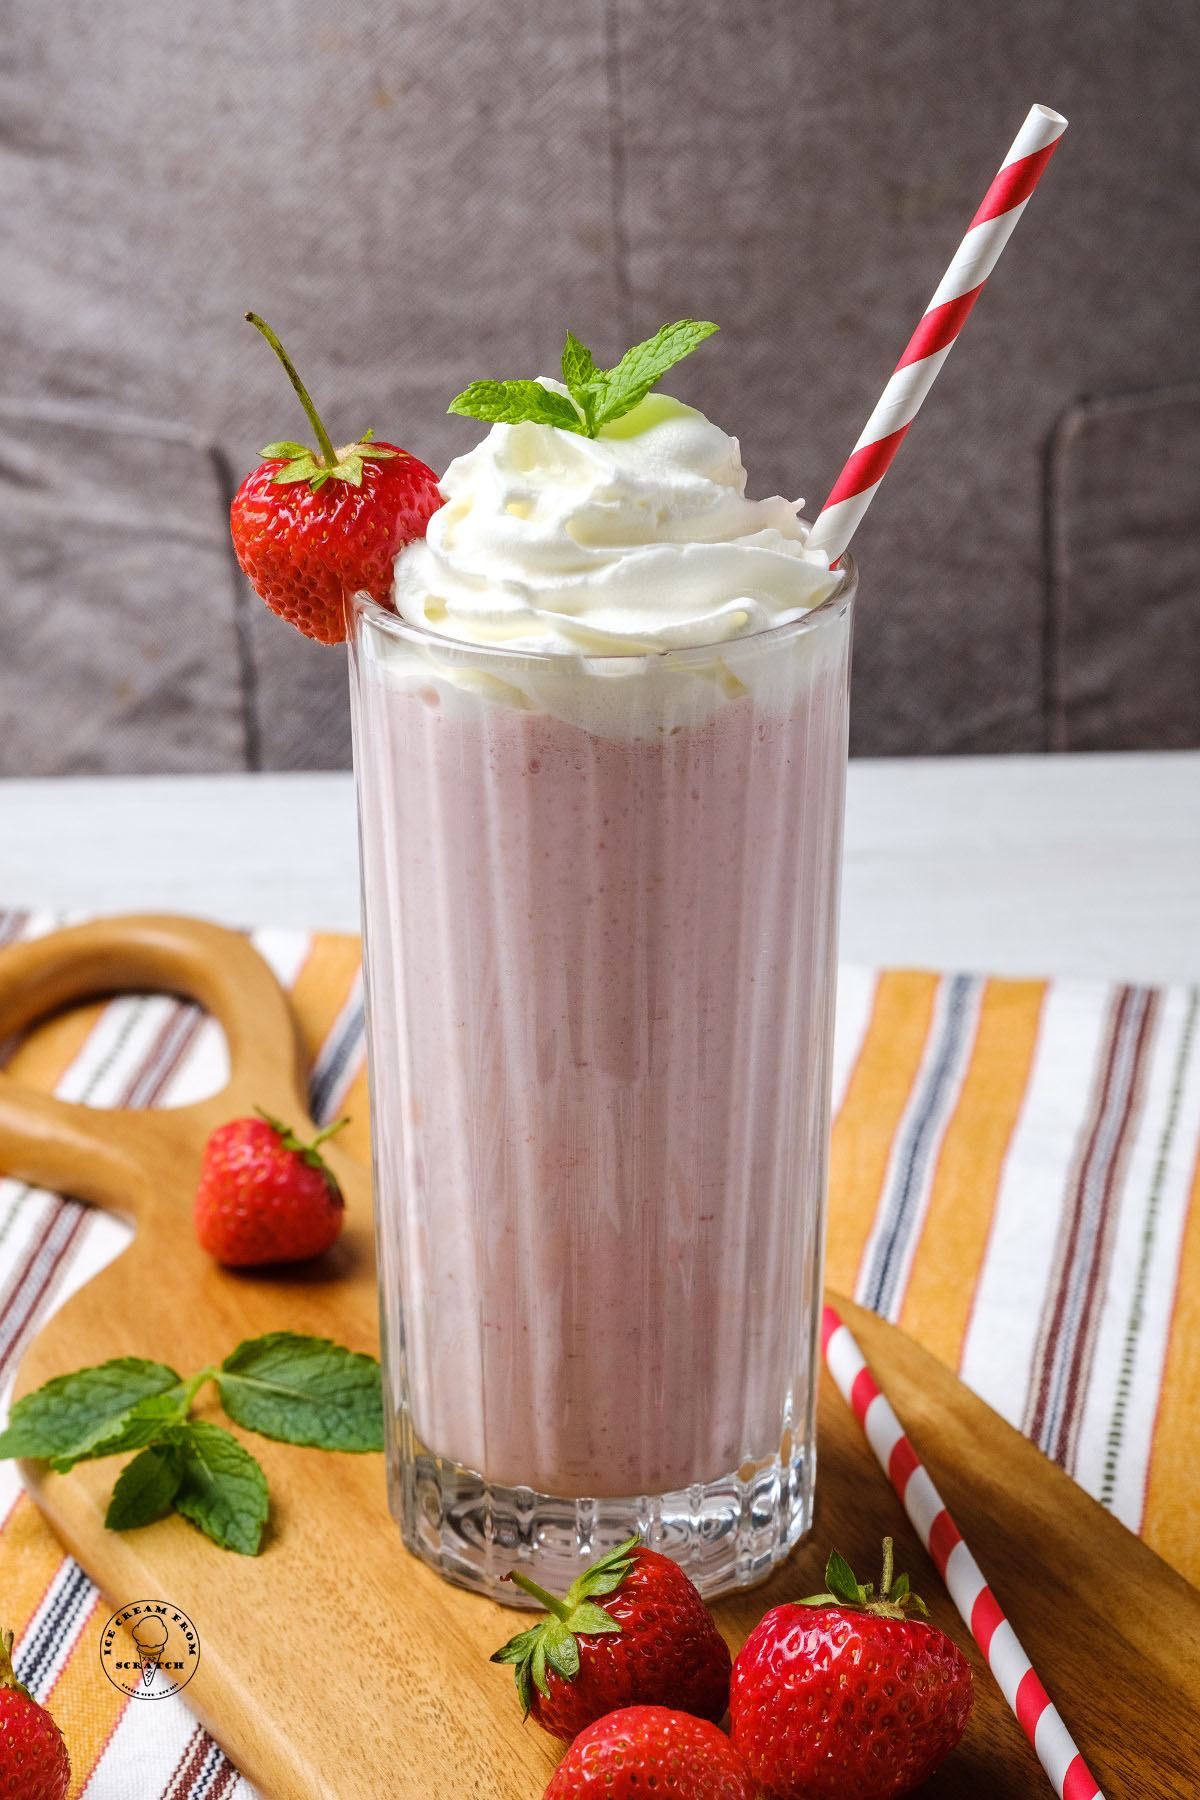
[[600, 918]]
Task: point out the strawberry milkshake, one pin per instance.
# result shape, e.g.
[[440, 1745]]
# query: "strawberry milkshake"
[[600, 749]]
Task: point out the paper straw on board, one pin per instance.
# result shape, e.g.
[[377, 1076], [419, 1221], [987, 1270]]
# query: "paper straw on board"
[[933, 340], [1036, 1714]]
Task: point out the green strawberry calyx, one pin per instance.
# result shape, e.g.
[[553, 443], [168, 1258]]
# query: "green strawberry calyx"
[[301, 463], [892, 1601], [8, 1677], [308, 1153], [552, 1644]]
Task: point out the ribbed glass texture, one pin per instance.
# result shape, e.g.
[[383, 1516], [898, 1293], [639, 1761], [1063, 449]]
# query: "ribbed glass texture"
[[600, 915]]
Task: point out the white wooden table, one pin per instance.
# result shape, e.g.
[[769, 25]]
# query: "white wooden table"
[[1066, 865]]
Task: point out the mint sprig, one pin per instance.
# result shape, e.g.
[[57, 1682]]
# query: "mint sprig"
[[598, 397], [296, 1389]]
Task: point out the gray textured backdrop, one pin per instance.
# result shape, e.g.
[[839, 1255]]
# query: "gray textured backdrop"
[[419, 195]]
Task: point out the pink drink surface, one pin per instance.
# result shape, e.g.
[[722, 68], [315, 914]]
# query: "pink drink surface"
[[600, 982]]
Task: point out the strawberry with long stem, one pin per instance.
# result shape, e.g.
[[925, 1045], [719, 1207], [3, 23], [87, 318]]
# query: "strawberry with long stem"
[[310, 528]]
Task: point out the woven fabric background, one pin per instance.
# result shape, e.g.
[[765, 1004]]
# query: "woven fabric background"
[[416, 196], [1015, 1181]]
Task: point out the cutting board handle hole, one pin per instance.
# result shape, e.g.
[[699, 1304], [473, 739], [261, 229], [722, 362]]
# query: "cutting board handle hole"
[[135, 1050], [113, 1100]]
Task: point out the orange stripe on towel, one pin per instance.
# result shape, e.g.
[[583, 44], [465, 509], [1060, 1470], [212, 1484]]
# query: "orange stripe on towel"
[[86, 1705], [865, 1128], [322, 986], [1171, 1520], [30, 1557], [946, 1267]]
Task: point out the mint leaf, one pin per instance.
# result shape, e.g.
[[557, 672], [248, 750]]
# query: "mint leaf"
[[78, 1416], [578, 365], [640, 368], [304, 1390], [585, 381], [511, 402], [145, 1489], [144, 1424], [222, 1489]]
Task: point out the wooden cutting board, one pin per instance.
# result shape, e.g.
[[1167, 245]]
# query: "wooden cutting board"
[[334, 1666]]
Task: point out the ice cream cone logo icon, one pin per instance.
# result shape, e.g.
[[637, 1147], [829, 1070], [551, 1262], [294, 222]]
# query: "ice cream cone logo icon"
[[150, 1636], [166, 1646]]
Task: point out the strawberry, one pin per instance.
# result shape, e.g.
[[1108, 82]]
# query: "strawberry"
[[842, 1695], [632, 1630], [34, 1764], [265, 1197], [310, 528], [626, 1754]]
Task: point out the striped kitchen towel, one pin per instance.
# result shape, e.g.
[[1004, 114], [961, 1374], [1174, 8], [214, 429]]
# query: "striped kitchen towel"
[[1015, 1180]]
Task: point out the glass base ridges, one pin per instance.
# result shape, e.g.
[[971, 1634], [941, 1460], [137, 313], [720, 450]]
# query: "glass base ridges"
[[729, 1533]]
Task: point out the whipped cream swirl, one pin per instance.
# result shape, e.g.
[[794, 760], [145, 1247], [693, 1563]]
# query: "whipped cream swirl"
[[638, 540]]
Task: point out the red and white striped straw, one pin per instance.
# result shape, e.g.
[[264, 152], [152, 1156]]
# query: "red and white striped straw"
[[1036, 1713], [933, 340]]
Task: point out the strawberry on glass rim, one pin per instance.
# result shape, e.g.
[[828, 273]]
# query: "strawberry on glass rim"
[[312, 527]]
